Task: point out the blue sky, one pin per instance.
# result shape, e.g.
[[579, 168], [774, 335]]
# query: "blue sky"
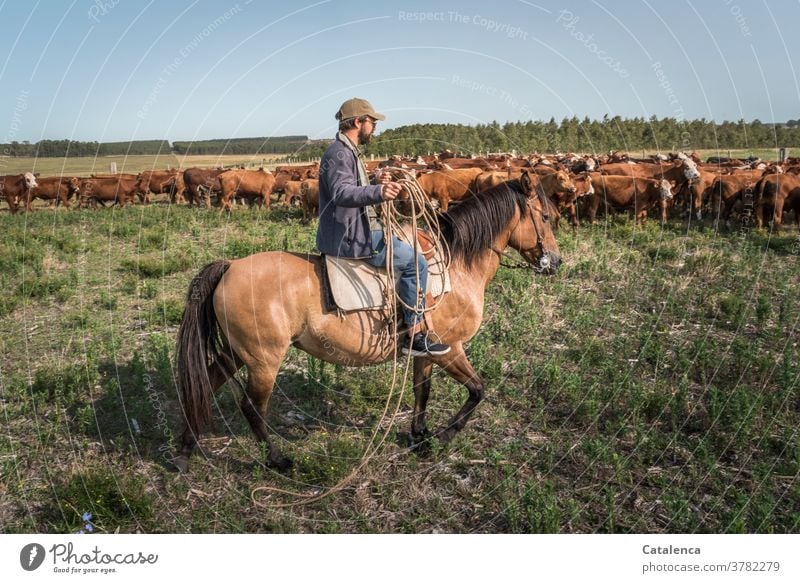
[[115, 70]]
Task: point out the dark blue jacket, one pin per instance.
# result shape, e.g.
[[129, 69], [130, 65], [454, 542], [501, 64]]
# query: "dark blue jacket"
[[343, 224]]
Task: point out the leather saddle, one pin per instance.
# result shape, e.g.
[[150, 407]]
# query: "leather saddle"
[[353, 284]]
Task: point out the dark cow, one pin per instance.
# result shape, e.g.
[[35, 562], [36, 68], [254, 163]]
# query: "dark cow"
[[160, 182], [777, 192], [628, 192], [728, 189], [200, 183], [114, 189]]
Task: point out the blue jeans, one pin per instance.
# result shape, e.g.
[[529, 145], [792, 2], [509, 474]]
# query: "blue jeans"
[[405, 273]]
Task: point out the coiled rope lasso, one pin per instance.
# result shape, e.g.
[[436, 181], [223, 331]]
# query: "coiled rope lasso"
[[393, 218]]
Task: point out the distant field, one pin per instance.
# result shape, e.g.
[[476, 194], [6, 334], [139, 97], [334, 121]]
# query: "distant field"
[[132, 164], [135, 164], [763, 153]]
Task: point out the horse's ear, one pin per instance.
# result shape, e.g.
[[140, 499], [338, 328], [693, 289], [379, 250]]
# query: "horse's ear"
[[526, 183]]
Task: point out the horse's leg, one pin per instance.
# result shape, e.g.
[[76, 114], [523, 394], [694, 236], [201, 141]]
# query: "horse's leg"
[[456, 364], [218, 373], [422, 390], [261, 380]]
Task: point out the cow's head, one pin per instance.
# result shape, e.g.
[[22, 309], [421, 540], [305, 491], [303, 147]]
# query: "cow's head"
[[74, 185], [665, 189], [563, 183], [30, 180], [583, 185], [690, 171]]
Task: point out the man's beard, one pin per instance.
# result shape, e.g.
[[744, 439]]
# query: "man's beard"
[[364, 137]]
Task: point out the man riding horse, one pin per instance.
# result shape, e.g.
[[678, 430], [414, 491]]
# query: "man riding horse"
[[349, 225]]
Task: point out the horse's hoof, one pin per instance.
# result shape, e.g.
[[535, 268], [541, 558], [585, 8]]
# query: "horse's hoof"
[[281, 464], [420, 443], [422, 448], [181, 464], [446, 436]]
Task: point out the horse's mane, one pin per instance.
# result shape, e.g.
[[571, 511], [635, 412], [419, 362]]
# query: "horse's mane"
[[471, 226]]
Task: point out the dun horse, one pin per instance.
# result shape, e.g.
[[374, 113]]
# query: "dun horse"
[[248, 312]]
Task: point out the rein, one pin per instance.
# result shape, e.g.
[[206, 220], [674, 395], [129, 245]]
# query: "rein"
[[516, 263]]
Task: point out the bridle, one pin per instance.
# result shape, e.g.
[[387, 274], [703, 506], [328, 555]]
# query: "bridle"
[[544, 261]]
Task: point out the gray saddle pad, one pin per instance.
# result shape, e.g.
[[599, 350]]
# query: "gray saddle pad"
[[357, 285]]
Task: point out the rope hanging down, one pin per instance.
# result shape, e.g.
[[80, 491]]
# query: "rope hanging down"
[[393, 219], [420, 213]]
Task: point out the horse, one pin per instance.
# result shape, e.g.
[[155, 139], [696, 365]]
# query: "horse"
[[230, 320]]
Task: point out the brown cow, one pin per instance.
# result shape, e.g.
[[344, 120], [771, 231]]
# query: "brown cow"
[[583, 187], [118, 189], [777, 192], [543, 169], [559, 188], [14, 187], [309, 190], [255, 185], [55, 188], [727, 189], [292, 195], [200, 183], [556, 185], [626, 192], [678, 171], [298, 172], [284, 174], [161, 182], [463, 164], [695, 191], [492, 178], [446, 186]]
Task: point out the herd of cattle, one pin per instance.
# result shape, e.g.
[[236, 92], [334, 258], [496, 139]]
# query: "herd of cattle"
[[576, 185]]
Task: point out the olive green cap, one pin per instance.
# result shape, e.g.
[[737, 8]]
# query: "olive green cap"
[[356, 107]]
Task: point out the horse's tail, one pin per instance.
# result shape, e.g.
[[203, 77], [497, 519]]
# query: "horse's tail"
[[199, 345]]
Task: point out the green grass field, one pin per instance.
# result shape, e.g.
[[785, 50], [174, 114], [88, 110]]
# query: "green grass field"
[[651, 387]]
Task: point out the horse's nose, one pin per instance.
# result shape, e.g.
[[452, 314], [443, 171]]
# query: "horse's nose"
[[549, 262]]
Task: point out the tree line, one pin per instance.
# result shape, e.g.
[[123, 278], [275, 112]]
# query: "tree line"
[[273, 145], [73, 148], [589, 136], [76, 149], [568, 135]]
